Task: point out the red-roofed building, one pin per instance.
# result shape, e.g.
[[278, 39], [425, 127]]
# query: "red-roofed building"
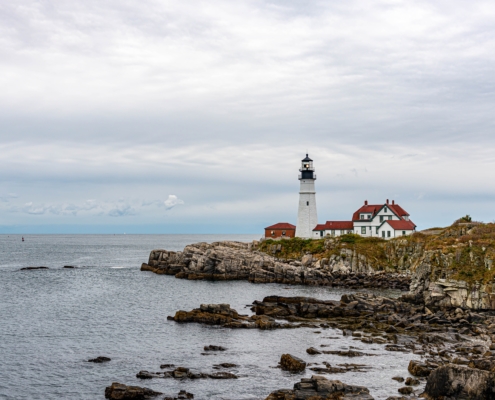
[[282, 229], [387, 220], [333, 228]]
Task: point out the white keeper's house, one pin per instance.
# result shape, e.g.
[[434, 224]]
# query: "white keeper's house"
[[386, 221]]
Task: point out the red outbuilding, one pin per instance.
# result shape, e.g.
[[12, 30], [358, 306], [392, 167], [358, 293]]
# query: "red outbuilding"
[[282, 229]]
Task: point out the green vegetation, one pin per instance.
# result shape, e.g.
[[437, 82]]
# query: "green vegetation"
[[463, 251]]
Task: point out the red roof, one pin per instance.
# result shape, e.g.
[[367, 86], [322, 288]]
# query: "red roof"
[[281, 225], [334, 225], [374, 208], [401, 225]]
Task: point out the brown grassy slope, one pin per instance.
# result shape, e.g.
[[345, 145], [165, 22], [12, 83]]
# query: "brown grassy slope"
[[464, 250]]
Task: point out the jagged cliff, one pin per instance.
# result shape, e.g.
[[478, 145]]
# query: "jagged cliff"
[[450, 267]]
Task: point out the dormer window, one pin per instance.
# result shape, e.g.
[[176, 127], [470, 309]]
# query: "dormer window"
[[369, 216]]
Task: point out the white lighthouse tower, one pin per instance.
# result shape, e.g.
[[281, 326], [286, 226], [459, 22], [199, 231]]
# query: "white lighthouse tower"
[[307, 217]]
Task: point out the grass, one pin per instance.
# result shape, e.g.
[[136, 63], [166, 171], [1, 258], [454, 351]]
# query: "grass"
[[463, 251]]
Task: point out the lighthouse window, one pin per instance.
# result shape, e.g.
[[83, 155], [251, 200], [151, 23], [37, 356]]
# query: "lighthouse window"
[[307, 203]]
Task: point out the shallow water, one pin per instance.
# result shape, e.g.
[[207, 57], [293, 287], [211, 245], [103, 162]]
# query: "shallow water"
[[54, 320]]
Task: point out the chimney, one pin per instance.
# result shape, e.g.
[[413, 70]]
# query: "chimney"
[[366, 202], [393, 202], [387, 201]]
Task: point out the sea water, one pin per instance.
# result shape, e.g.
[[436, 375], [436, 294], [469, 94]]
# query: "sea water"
[[52, 321]]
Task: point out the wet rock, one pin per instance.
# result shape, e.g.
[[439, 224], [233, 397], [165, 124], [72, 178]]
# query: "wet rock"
[[32, 268], [214, 348], [319, 388], [398, 378], [312, 351], [224, 365], [147, 375], [418, 368], [412, 381], [180, 373], [460, 382], [99, 359], [163, 366], [291, 363], [183, 395], [405, 390], [119, 391], [69, 267], [347, 353]]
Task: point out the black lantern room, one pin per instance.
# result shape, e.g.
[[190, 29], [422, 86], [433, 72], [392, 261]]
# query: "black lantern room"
[[307, 170]]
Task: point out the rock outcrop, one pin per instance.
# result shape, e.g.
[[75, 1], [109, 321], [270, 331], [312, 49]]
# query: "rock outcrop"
[[223, 315], [451, 269], [320, 388], [119, 391], [241, 261], [291, 363], [460, 382]]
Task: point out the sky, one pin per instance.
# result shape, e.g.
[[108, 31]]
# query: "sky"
[[193, 117]]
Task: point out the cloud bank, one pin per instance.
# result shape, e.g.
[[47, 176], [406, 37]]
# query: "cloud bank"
[[125, 103]]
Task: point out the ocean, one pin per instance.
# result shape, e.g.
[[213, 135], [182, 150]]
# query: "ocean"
[[52, 321]]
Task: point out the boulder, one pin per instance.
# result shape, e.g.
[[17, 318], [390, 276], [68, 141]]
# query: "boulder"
[[119, 391], [291, 363], [312, 351], [214, 348], [405, 390], [99, 359], [460, 382], [418, 368], [320, 388]]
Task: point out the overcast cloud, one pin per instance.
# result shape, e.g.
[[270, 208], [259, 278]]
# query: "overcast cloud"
[[173, 116]]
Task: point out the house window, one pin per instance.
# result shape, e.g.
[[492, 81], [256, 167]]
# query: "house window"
[[362, 216], [388, 233], [383, 234], [403, 233], [333, 233], [377, 229], [369, 216], [321, 233], [381, 218], [273, 233], [283, 233], [349, 231], [307, 203], [389, 217], [385, 209], [363, 230], [370, 229]]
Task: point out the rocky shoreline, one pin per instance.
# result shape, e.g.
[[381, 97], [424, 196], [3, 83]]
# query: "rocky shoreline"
[[447, 318], [241, 261], [455, 346]]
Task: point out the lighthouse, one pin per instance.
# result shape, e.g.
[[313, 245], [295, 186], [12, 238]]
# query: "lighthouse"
[[307, 217]]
